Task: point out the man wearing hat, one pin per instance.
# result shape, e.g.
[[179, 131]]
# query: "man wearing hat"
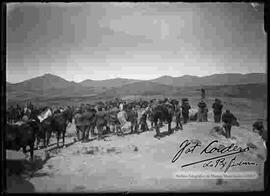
[[217, 109], [185, 109]]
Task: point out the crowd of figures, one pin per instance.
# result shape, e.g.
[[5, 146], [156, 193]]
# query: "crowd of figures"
[[31, 124]]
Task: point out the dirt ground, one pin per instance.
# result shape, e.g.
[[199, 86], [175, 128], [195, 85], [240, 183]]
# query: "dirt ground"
[[143, 163]]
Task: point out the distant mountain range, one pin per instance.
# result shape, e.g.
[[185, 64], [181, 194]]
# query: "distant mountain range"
[[216, 79], [52, 86], [107, 83]]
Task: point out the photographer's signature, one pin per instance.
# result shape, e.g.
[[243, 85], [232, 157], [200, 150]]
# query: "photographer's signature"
[[220, 161]]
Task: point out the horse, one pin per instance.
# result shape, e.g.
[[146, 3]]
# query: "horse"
[[26, 113], [21, 135], [101, 120], [84, 122], [163, 113], [45, 130], [128, 115], [59, 124]]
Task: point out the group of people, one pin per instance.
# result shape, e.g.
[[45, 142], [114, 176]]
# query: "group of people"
[[16, 113], [227, 118], [147, 110], [113, 115]]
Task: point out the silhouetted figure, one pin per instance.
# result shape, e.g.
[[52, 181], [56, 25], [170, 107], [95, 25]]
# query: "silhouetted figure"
[[100, 121], [229, 119], [202, 113], [185, 109], [258, 125], [217, 109], [178, 117], [143, 123]]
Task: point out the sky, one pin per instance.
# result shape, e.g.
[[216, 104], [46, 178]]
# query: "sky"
[[98, 41]]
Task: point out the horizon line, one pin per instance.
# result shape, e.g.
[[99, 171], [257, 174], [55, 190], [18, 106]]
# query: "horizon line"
[[136, 79]]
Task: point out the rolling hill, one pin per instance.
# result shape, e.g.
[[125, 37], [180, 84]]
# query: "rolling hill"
[[216, 79], [46, 86], [49, 87], [47, 81], [117, 82], [144, 88]]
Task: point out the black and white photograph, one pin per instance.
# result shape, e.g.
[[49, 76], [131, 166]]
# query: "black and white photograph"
[[134, 97]]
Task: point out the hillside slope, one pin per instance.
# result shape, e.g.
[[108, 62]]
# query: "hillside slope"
[[143, 163], [215, 79]]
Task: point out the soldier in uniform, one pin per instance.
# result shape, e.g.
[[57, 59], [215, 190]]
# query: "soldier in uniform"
[[185, 109]]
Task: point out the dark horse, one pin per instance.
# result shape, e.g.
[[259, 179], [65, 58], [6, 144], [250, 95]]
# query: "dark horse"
[[22, 135], [162, 113], [45, 130], [59, 124]]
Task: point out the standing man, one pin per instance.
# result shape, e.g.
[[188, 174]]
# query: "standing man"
[[143, 123], [201, 113], [217, 109], [185, 109], [228, 119], [100, 121], [114, 120], [106, 117], [205, 114], [178, 116], [134, 123]]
